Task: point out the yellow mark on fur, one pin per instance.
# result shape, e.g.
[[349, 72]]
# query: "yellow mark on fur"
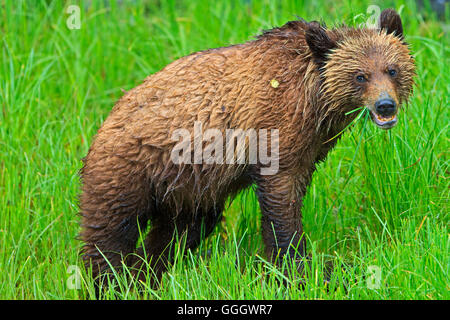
[[274, 83]]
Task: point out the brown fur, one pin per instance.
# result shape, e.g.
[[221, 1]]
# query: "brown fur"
[[129, 179]]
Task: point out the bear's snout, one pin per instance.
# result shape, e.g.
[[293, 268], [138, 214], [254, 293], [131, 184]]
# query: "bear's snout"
[[386, 107], [384, 112]]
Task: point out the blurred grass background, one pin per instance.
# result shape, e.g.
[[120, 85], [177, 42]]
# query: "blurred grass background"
[[380, 199]]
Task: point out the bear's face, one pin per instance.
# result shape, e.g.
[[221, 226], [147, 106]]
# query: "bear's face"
[[369, 68], [372, 70]]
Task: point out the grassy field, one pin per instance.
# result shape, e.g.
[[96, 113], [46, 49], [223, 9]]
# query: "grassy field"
[[378, 205]]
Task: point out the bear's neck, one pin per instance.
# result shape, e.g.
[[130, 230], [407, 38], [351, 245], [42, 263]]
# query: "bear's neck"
[[312, 112]]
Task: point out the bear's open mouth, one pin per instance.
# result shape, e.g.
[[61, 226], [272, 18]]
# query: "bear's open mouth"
[[383, 122]]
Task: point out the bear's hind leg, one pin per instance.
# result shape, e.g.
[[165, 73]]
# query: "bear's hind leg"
[[114, 206], [108, 244], [151, 260], [159, 246]]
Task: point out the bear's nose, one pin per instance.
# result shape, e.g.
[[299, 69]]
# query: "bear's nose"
[[385, 107]]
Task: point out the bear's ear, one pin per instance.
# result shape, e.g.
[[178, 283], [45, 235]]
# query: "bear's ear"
[[319, 42], [391, 22]]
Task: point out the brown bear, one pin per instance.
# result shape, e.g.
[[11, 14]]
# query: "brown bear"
[[300, 81]]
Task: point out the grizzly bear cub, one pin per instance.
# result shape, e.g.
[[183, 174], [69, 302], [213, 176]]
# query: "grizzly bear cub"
[[194, 134]]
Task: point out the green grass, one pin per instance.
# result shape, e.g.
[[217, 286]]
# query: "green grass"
[[380, 199]]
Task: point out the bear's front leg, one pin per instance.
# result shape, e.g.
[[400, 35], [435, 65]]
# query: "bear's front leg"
[[280, 200]]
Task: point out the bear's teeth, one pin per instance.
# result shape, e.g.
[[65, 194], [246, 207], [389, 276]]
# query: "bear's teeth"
[[384, 119]]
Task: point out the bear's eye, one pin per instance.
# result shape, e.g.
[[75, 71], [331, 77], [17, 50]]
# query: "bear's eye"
[[392, 72], [361, 78]]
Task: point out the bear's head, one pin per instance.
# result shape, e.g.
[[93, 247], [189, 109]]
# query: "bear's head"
[[364, 67]]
